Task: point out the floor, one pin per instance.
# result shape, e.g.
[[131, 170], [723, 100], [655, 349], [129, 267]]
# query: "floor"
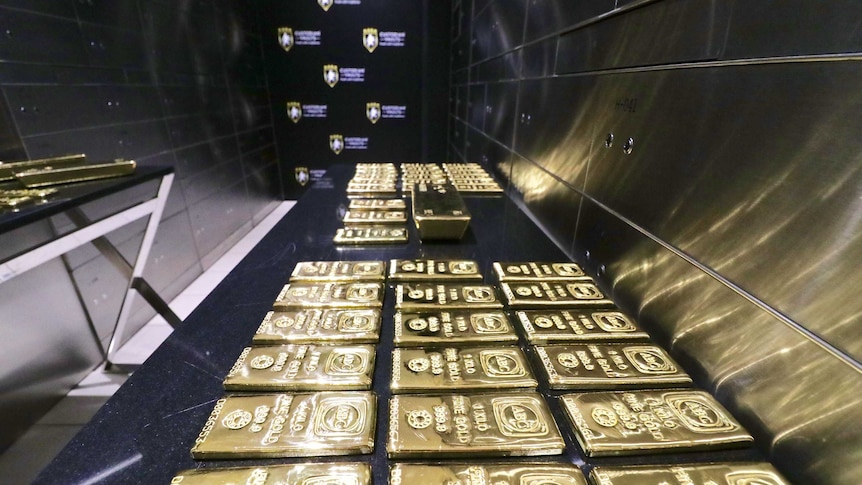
[[24, 459]]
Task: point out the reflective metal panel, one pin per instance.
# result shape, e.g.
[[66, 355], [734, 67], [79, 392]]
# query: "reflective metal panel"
[[500, 111], [548, 16]]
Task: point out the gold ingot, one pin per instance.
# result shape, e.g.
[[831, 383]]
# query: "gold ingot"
[[742, 473], [378, 204], [286, 425], [300, 473], [549, 326], [452, 327], [371, 216], [75, 173], [447, 369], [645, 422], [302, 368], [298, 296], [554, 294], [439, 211], [370, 235], [9, 169], [497, 474], [458, 425], [323, 271], [431, 296], [319, 326], [539, 271], [610, 366], [434, 270]]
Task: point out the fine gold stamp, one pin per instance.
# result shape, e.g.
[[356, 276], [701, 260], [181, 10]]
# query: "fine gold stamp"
[[323, 271], [430, 296], [554, 294], [551, 326], [298, 296], [319, 326], [538, 271], [452, 327], [434, 270]]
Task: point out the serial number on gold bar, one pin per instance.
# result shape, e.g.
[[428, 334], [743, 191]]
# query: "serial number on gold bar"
[[319, 326], [554, 294], [539, 271], [643, 422], [496, 474], [323, 271], [610, 366], [548, 326], [286, 425], [434, 270], [458, 425], [302, 368], [447, 369], [370, 216], [452, 327], [379, 204], [300, 473], [370, 235], [730, 473], [431, 296], [297, 296]]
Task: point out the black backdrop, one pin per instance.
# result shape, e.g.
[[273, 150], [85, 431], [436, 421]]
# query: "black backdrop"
[[413, 77]]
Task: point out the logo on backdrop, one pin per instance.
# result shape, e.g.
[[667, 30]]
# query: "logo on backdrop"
[[294, 111], [372, 111], [370, 39], [301, 174], [325, 4], [330, 74], [285, 38], [336, 143]]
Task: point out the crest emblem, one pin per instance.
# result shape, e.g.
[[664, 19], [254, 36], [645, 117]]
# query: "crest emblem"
[[330, 74], [285, 38], [336, 143], [369, 38], [372, 111], [294, 111], [301, 174], [325, 4]]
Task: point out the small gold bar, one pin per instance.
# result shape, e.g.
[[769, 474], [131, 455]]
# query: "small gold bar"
[[378, 204], [371, 235], [549, 326], [9, 169], [302, 368], [647, 422], [462, 425], [452, 327], [300, 473], [371, 216], [286, 425], [323, 271], [610, 366], [473, 188], [539, 271], [439, 211], [730, 473], [496, 474], [319, 326], [554, 294], [448, 369], [434, 270], [430, 296], [299, 296], [71, 174]]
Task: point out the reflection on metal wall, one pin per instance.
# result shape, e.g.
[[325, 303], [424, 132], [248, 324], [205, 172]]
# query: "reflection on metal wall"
[[701, 158]]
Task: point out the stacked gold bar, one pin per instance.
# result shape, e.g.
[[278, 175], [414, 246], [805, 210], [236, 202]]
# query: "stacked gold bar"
[[373, 180], [420, 173], [439, 211], [471, 178], [374, 215]]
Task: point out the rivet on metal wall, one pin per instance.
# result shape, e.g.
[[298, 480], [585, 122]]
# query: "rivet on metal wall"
[[628, 146], [609, 140]]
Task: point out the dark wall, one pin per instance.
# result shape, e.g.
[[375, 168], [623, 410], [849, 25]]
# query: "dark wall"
[[412, 77], [178, 83], [700, 158]]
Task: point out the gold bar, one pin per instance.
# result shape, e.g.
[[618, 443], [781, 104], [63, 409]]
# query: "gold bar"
[[299, 473], [458, 426], [369, 216], [452, 327], [371, 235], [610, 366], [439, 212], [430, 296], [323, 271], [319, 326], [302, 368], [646, 422], [732, 473], [286, 425], [429, 269], [378, 204], [83, 173], [549, 326], [9, 169], [539, 271], [554, 294], [300, 296], [447, 369], [492, 474]]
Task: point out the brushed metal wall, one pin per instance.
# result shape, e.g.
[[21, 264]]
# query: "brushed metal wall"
[[732, 226]]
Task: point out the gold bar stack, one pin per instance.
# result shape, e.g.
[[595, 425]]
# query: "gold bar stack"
[[374, 215]]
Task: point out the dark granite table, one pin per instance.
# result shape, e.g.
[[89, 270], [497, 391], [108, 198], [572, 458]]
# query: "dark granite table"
[[144, 433]]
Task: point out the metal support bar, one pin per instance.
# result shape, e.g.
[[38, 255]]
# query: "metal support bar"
[[159, 305]]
